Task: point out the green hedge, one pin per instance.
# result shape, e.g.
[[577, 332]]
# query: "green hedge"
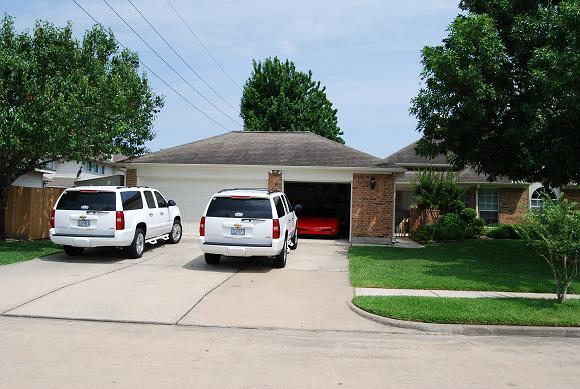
[[502, 231]]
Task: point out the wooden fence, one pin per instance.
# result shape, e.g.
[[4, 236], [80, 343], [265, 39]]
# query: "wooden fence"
[[28, 212]]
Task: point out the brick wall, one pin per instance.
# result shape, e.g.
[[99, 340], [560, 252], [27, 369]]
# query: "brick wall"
[[513, 204], [131, 177], [275, 181], [572, 195], [372, 210]]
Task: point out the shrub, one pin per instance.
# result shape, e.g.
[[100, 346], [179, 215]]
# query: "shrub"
[[450, 232], [456, 206], [503, 231], [473, 225], [554, 233], [423, 233]]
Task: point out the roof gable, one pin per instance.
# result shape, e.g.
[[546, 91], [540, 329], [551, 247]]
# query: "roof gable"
[[408, 156]]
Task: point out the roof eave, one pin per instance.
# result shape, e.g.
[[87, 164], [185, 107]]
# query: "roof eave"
[[274, 167]]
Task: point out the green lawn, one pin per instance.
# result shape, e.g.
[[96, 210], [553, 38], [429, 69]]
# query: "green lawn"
[[509, 311], [11, 252], [500, 265]]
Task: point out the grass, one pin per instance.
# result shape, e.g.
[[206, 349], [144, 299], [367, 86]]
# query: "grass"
[[11, 252], [507, 311], [500, 265]]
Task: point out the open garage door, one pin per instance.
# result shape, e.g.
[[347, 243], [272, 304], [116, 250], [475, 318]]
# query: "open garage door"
[[192, 196], [325, 208]]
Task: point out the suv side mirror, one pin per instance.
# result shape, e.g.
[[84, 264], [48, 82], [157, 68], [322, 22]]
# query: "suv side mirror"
[[171, 203], [297, 208]]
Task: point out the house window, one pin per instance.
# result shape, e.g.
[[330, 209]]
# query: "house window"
[[538, 196], [488, 205], [50, 165], [465, 198], [91, 167]]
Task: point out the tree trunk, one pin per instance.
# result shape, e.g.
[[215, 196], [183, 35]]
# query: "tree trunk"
[[3, 199]]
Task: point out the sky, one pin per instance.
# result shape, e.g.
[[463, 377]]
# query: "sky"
[[366, 53]]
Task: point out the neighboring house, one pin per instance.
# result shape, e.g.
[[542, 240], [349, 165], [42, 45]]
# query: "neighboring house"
[[499, 202], [313, 171], [64, 174], [33, 179]]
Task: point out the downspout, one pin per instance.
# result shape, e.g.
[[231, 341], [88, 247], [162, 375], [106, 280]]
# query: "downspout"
[[393, 236]]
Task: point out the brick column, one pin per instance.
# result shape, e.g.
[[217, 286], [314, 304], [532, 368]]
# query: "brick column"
[[131, 177], [513, 204], [372, 210], [275, 181]]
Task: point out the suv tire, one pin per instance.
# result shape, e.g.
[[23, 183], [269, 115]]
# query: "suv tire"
[[294, 241], [73, 251], [280, 259], [138, 246], [175, 233], [212, 259]]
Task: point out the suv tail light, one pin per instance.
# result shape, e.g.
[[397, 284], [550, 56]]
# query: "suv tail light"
[[202, 226], [52, 219], [119, 220], [276, 229]]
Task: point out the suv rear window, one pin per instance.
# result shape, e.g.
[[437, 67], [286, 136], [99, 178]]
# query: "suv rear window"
[[249, 208], [131, 200], [75, 200]]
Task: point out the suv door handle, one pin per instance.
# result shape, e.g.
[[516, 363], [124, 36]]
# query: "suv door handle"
[[151, 214], [162, 213]]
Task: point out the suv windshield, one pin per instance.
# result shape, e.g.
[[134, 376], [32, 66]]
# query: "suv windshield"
[[75, 200], [244, 208]]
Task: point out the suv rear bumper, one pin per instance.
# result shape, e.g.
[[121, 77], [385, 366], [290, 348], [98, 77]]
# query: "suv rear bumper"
[[121, 238], [242, 251]]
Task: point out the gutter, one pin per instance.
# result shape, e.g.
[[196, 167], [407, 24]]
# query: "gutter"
[[133, 165]]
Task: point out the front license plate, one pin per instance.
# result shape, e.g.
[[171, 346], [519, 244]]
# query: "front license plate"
[[238, 231], [84, 223]]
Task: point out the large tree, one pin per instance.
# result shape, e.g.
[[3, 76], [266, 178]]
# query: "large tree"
[[502, 92], [277, 97], [65, 99]]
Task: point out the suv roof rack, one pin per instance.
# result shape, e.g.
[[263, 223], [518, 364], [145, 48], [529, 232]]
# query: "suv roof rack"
[[257, 189]]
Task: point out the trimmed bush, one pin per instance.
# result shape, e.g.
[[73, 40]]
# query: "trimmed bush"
[[502, 231], [473, 224]]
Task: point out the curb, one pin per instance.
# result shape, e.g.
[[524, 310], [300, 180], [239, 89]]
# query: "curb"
[[470, 329]]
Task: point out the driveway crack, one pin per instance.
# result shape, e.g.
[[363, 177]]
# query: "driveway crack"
[[76, 283], [210, 291]]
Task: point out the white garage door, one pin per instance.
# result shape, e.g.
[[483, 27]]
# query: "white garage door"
[[192, 195]]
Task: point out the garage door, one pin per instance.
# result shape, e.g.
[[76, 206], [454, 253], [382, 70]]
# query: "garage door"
[[192, 195]]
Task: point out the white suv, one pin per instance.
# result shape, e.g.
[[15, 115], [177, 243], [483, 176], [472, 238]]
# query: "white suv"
[[100, 216], [246, 223]]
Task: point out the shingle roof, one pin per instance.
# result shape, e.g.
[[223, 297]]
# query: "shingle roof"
[[465, 176], [408, 156], [266, 148]]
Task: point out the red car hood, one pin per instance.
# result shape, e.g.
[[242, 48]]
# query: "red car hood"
[[315, 221]]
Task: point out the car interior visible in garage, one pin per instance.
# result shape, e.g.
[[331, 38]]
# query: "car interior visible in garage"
[[325, 208]]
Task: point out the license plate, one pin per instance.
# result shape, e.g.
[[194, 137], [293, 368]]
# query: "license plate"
[[238, 231], [84, 223]]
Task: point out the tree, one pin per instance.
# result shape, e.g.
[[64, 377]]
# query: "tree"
[[554, 233], [501, 94], [65, 99], [277, 97], [437, 193]]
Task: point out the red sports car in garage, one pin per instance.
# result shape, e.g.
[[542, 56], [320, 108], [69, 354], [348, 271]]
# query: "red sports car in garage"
[[322, 222]]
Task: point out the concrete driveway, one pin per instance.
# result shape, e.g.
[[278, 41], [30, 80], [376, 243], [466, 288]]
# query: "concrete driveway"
[[172, 284]]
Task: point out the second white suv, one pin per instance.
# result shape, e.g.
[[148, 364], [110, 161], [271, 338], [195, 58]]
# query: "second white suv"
[[246, 223], [100, 216]]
